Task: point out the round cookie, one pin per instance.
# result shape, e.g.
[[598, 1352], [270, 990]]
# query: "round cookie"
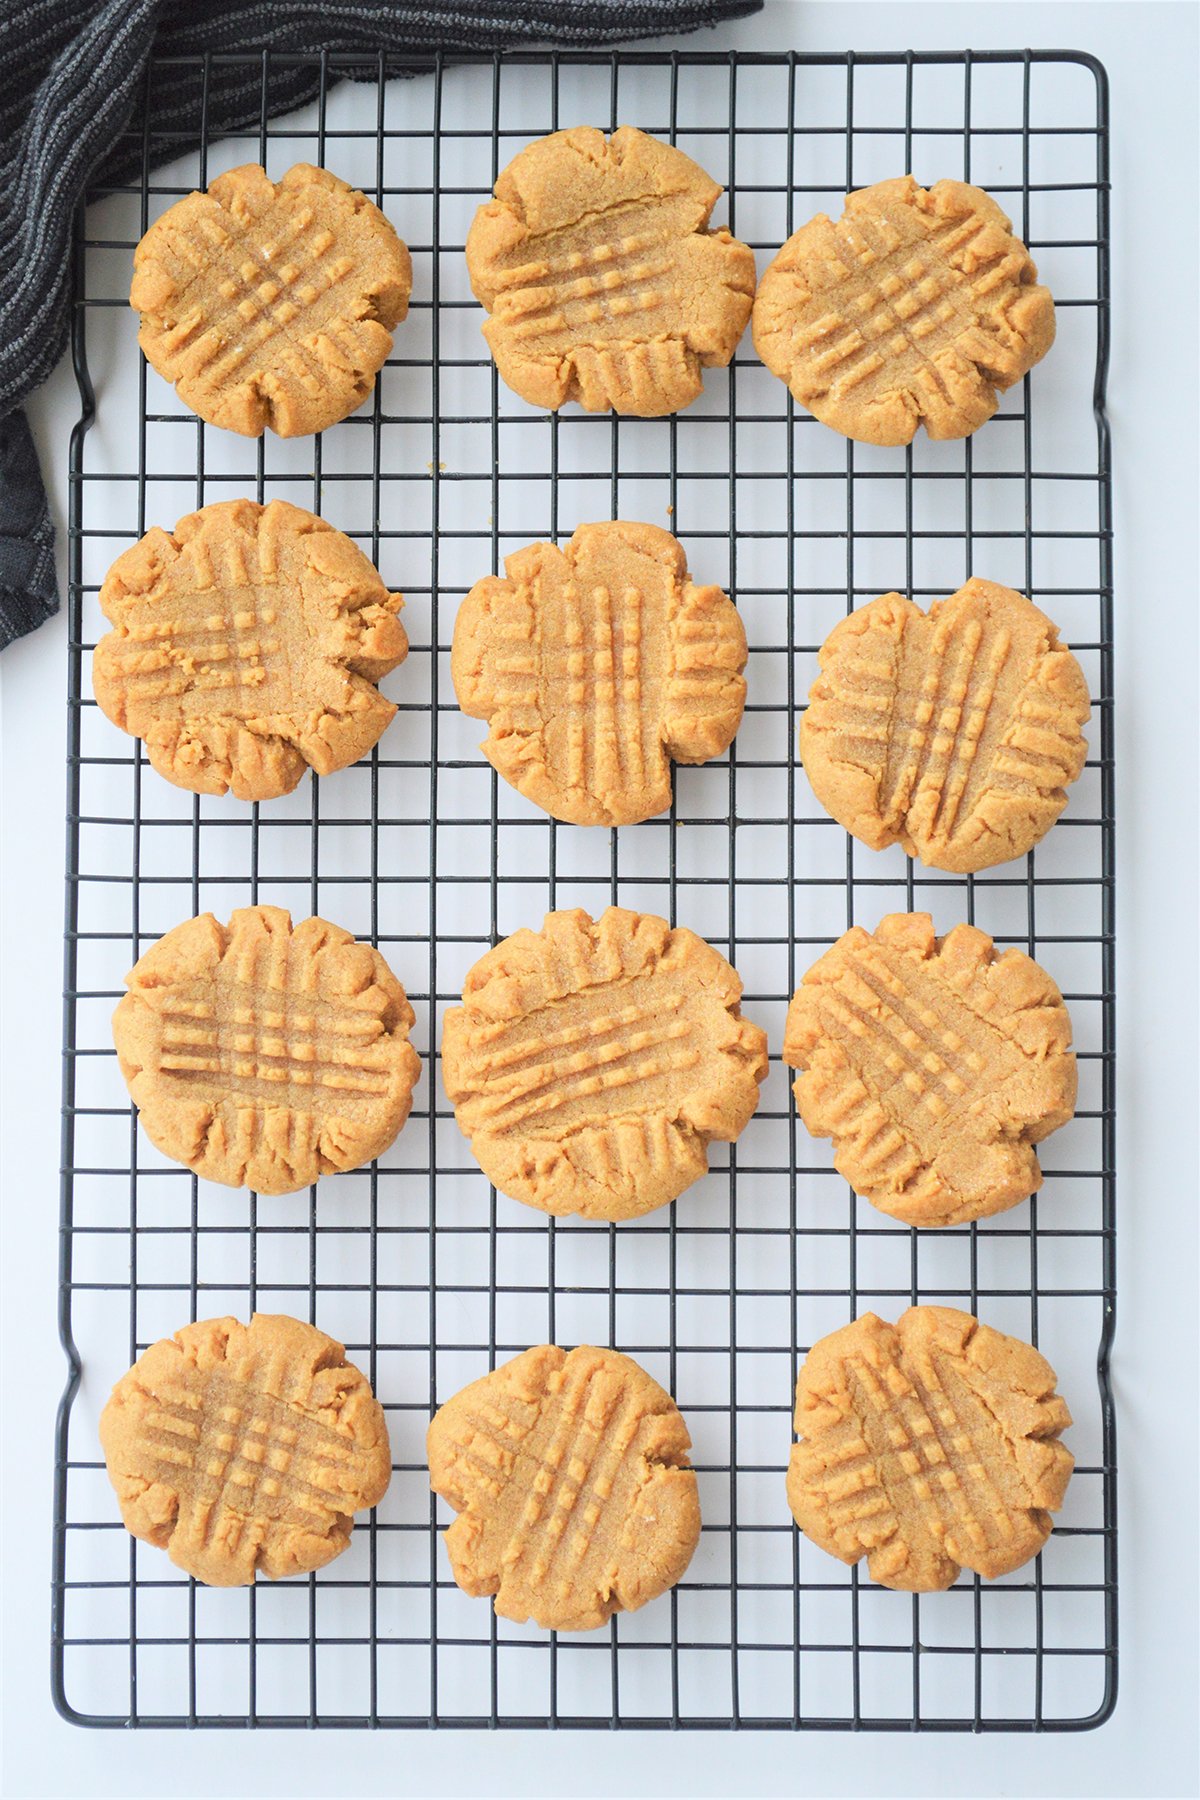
[[954, 732], [928, 1446], [245, 1449], [602, 279], [594, 666], [261, 1056], [592, 1062], [570, 1476], [916, 307], [271, 303], [934, 1064], [247, 646]]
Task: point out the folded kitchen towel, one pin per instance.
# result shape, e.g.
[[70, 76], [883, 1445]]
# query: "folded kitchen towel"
[[28, 582], [74, 87]]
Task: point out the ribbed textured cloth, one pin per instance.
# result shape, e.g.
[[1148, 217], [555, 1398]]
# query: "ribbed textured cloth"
[[73, 79]]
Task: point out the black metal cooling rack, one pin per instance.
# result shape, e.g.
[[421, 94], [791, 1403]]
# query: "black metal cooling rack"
[[427, 1274]]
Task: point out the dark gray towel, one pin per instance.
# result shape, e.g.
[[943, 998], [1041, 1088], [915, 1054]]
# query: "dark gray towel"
[[73, 79], [28, 582]]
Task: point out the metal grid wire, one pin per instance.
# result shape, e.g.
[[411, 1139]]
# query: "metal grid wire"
[[424, 1271]]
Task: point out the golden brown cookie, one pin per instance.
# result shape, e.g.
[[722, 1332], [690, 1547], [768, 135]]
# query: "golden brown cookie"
[[603, 282], [271, 303], [929, 1446], [262, 1056], [594, 666], [570, 1476], [247, 646], [592, 1062], [915, 307], [241, 1449], [954, 732], [934, 1065]]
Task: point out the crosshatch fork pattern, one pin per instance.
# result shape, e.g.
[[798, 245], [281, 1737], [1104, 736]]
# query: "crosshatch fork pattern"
[[430, 1277]]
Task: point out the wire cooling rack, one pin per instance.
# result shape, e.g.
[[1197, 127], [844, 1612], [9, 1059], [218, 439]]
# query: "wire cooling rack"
[[424, 1271]]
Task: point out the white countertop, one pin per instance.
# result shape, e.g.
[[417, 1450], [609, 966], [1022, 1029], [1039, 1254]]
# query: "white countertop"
[[1149, 1746]]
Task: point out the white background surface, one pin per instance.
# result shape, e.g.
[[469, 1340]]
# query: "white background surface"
[[1149, 1747]]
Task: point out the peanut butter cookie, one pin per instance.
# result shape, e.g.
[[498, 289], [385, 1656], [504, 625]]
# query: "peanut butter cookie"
[[934, 1065], [602, 279], [245, 1449], [594, 666], [262, 1056], [954, 732], [592, 1062], [917, 306], [247, 646], [570, 1476], [271, 303], [929, 1446]]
